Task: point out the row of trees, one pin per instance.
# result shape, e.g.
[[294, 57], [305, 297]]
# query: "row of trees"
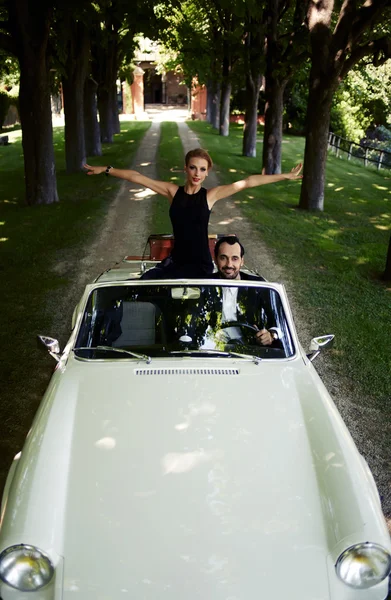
[[84, 44], [316, 43], [219, 42], [279, 40]]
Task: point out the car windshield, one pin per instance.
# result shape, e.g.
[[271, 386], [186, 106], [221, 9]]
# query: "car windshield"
[[167, 320]]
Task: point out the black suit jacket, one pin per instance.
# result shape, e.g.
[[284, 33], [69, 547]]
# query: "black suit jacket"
[[253, 304]]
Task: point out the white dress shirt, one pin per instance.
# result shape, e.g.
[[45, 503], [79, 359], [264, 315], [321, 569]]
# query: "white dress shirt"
[[229, 313]]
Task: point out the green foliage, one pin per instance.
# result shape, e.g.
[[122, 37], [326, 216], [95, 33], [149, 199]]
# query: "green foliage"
[[4, 104], [295, 100], [6, 99], [361, 101], [346, 119], [127, 94], [186, 32], [9, 71]]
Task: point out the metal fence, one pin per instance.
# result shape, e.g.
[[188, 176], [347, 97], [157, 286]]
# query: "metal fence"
[[375, 156]]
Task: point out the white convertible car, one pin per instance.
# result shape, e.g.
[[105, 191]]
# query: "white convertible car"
[[173, 457]]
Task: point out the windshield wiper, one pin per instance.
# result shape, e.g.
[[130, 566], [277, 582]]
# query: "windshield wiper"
[[148, 359], [255, 359]]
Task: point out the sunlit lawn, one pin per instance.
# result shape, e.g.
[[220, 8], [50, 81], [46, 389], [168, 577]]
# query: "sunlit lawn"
[[34, 240], [335, 258]]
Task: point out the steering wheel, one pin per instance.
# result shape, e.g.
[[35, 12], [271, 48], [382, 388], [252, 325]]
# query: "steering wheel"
[[238, 324]]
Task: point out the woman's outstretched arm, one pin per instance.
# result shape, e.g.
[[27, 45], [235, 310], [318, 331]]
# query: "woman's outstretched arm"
[[164, 188], [223, 191]]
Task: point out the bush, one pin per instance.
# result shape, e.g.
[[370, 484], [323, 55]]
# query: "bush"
[[380, 134], [4, 105], [8, 98], [380, 138], [347, 119]]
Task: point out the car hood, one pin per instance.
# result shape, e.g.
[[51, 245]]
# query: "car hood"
[[193, 479]]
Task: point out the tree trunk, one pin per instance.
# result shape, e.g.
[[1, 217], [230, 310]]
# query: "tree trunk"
[[225, 104], [115, 113], [387, 271], [225, 96], [272, 137], [105, 67], [315, 154], [225, 108], [30, 29], [209, 89], [105, 116], [73, 90], [215, 104], [323, 82], [75, 150], [250, 129], [253, 45], [91, 124]]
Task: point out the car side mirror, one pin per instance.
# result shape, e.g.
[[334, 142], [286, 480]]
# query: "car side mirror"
[[51, 345], [318, 344]]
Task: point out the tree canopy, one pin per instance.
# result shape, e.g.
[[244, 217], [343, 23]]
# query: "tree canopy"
[[299, 49]]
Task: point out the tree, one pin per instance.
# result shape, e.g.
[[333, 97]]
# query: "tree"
[[339, 40], [113, 43], [73, 83], [91, 124], [208, 37], [253, 65], [105, 65], [26, 35], [286, 49]]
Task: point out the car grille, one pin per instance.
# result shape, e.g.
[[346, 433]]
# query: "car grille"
[[189, 371]]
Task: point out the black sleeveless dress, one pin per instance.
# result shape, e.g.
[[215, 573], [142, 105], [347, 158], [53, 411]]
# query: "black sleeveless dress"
[[190, 257]]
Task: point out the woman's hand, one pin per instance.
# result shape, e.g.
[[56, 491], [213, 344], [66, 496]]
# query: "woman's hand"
[[94, 170], [295, 173]]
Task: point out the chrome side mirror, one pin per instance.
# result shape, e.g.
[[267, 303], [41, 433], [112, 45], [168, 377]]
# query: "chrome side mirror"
[[51, 345], [318, 344]]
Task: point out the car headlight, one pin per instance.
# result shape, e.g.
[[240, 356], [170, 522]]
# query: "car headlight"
[[363, 565], [25, 568]]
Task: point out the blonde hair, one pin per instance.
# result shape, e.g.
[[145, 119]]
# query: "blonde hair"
[[198, 153]]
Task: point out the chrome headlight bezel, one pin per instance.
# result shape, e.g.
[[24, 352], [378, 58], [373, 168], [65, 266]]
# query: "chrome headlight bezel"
[[25, 568], [363, 565]]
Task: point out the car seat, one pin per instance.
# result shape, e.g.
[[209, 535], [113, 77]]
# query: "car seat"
[[138, 324]]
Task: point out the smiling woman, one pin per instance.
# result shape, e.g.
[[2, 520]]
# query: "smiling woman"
[[190, 208]]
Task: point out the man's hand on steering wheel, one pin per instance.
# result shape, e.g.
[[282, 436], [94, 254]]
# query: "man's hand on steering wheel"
[[264, 337]]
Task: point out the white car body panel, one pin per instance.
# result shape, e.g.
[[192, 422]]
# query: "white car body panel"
[[191, 478]]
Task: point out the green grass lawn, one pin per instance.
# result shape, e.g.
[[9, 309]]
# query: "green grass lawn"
[[33, 240], [335, 258]]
